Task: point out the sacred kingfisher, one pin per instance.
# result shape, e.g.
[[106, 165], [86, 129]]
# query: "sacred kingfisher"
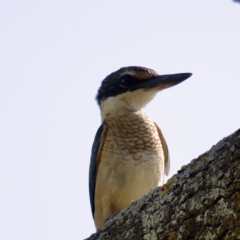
[[129, 153]]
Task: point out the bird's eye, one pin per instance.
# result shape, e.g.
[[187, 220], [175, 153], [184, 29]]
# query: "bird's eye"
[[126, 81]]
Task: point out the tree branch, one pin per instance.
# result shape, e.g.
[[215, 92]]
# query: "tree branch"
[[202, 201]]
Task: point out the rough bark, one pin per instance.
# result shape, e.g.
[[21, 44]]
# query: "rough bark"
[[202, 201]]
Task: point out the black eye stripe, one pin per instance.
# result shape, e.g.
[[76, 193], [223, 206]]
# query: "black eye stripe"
[[126, 81], [113, 84]]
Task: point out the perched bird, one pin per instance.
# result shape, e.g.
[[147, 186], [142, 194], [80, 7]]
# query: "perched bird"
[[129, 152]]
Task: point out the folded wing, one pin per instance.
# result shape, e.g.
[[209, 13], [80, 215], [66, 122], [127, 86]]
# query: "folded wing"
[[94, 162], [165, 151]]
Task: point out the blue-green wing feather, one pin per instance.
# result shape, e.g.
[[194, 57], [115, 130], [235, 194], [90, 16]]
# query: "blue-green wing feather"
[[93, 165]]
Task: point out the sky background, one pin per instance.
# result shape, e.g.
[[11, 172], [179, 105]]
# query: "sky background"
[[53, 57]]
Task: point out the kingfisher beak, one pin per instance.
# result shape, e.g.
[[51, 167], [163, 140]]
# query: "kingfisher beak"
[[161, 82]]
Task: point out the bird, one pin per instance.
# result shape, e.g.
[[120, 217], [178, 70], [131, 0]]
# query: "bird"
[[129, 154]]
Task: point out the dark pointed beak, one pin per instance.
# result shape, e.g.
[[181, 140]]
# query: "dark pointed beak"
[[161, 82]]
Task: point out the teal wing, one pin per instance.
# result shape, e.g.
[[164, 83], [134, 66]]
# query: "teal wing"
[[94, 162]]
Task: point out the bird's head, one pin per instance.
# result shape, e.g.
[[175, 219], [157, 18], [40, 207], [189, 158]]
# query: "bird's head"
[[132, 88]]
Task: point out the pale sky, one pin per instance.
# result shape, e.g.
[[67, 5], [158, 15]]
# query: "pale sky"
[[54, 55]]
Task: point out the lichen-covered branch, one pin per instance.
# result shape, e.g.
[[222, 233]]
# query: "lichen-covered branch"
[[202, 201]]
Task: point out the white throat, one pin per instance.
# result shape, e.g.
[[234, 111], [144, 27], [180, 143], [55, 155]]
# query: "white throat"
[[127, 102]]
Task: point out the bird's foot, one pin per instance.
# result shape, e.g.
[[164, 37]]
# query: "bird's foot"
[[111, 217]]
